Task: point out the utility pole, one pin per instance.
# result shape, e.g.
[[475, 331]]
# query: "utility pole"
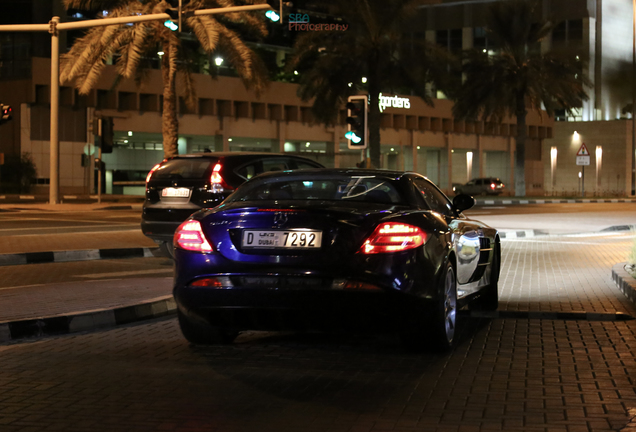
[[53, 27]]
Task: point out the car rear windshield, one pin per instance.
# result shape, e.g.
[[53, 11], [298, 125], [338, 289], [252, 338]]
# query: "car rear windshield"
[[336, 188], [186, 168]]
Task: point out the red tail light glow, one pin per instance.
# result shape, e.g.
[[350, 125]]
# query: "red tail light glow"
[[154, 168], [190, 236], [393, 237], [492, 185], [218, 183]]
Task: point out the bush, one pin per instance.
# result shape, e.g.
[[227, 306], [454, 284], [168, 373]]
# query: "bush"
[[631, 257], [18, 174]]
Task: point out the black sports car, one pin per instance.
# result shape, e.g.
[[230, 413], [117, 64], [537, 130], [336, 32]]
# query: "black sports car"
[[333, 249]]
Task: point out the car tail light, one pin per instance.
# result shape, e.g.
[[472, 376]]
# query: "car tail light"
[[346, 284], [217, 181], [219, 282], [393, 237], [492, 185], [154, 168], [190, 236]]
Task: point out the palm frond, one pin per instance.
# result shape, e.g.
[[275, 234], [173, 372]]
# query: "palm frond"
[[238, 53], [94, 5], [86, 51], [132, 45], [206, 29]]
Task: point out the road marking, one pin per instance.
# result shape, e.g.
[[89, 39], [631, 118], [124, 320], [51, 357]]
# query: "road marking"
[[125, 273], [70, 227], [21, 286], [89, 221]]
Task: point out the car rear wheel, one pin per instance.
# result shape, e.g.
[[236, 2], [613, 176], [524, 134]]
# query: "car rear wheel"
[[166, 249], [438, 332], [202, 333]]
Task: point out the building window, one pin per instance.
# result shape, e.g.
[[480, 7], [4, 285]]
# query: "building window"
[[449, 39], [568, 32], [480, 38]]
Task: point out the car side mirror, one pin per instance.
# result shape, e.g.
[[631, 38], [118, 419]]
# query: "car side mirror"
[[463, 202]]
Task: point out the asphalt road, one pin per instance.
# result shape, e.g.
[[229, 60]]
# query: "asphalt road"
[[42, 222]]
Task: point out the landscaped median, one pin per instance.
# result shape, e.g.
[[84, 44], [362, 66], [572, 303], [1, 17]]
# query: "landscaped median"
[[624, 275]]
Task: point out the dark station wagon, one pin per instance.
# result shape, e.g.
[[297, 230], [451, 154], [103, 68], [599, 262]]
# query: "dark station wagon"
[[181, 185]]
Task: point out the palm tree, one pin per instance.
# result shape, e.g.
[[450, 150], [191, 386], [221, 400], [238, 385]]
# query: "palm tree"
[[518, 75], [131, 44], [375, 46]]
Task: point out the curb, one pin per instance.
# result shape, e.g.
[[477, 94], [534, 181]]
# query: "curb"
[[85, 321], [551, 201], [566, 316], [512, 234], [76, 255], [625, 282]]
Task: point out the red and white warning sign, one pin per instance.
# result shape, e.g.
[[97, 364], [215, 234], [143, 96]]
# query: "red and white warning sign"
[[583, 151], [583, 156]]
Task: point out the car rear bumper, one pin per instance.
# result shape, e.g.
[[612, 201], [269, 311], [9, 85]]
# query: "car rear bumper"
[[160, 223], [159, 231], [300, 309]]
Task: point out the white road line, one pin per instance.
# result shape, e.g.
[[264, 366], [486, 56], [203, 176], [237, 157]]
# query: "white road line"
[[125, 273], [527, 240], [68, 227], [93, 221], [22, 286]]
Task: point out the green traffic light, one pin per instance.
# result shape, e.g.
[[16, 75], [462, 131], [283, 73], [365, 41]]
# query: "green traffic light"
[[171, 25], [353, 137]]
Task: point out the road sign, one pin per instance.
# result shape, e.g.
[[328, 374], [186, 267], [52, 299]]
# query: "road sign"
[[583, 151], [583, 155], [582, 160]]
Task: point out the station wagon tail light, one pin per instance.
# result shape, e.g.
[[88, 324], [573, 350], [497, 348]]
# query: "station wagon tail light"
[[154, 168], [190, 236], [218, 183], [492, 185], [393, 237]]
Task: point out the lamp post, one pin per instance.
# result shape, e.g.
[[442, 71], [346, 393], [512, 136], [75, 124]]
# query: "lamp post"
[[633, 98], [53, 27]]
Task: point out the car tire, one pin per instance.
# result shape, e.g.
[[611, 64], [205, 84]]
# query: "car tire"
[[438, 332], [166, 249], [489, 295], [202, 333]]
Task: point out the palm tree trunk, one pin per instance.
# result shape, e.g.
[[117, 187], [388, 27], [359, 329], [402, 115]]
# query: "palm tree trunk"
[[169, 121], [374, 112], [520, 157], [374, 123]]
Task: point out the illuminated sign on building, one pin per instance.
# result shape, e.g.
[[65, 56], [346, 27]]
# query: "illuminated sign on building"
[[394, 102]]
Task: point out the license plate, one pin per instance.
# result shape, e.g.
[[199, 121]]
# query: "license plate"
[[297, 239], [176, 192]]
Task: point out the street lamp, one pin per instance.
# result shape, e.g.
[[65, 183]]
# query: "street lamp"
[[633, 97]]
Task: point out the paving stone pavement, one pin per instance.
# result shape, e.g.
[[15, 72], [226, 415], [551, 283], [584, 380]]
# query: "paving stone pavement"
[[504, 375]]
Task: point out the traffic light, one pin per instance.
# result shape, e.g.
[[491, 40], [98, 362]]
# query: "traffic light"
[[107, 135], [6, 113], [357, 108], [175, 15], [103, 128], [275, 14]]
